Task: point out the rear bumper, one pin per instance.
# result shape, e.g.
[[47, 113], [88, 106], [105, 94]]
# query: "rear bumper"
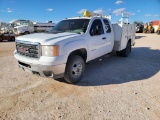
[[54, 71]]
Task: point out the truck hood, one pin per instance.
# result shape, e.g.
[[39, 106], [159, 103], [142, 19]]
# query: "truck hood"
[[47, 38]]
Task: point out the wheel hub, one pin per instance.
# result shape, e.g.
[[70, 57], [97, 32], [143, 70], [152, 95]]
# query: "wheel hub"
[[77, 70]]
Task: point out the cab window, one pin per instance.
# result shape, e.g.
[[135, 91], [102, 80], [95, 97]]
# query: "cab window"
[[96, 28], [107, 26]]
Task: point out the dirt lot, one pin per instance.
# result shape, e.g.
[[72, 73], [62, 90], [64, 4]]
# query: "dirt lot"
[[113, 88]]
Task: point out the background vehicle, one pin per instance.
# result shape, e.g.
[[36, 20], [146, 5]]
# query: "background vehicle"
[[5, 32], [139, 26], [64, 51], [149, 28], [27, 26], [43, 27], [7, 36]]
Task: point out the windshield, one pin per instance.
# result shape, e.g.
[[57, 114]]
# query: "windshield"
[[24, 23], [71, 25], [19, 24]]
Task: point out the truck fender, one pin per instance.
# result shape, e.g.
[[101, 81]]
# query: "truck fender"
[[74, 45]]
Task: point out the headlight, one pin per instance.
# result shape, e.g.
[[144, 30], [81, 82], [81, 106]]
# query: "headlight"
[[50, 51]]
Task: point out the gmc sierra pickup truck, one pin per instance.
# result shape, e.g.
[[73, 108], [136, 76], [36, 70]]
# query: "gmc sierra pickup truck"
[[64, 50]]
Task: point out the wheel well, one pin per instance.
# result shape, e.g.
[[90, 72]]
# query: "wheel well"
[[129, 40], [27, 32], [81, 52]]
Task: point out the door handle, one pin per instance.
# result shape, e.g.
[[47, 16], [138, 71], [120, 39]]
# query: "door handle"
[[103, 38]]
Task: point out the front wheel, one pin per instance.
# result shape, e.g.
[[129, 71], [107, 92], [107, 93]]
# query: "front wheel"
[[74, 69]]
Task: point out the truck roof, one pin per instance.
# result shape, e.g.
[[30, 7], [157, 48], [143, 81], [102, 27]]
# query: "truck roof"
[[86, 17], [18, 20], [78, 18]]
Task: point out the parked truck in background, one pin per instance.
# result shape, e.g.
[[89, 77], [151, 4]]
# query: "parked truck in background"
[[139, 26], [64, 50], [148, 28], [6, 32], [26, 26]]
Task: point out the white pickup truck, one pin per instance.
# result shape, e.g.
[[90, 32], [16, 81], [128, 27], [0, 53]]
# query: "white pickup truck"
[[64, 50], [21, 27]]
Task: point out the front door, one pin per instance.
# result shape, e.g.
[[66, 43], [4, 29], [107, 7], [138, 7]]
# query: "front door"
[[97, 40]]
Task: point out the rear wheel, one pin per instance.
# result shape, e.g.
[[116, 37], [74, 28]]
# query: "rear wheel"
[[118, 53], [74, 69], [27, 32], [127, 50]]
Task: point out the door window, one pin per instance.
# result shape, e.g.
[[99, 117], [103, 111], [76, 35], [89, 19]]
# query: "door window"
[[107, 26], [96, 28]]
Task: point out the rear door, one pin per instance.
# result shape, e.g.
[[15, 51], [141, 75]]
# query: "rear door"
[[109, 35]]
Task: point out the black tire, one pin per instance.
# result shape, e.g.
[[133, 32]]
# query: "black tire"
[[1, 39], [118, 53], [127, 50], [152, 30], [141, 31], [12, 38], [27, 32], [74, 69]]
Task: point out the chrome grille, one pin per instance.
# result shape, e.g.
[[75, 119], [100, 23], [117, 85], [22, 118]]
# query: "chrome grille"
[[28, 50]]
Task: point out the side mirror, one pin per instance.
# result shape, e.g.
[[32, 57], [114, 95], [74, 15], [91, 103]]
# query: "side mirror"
[[93, 32]]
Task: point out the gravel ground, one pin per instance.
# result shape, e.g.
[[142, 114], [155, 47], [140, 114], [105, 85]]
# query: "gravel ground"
[[113, 88]]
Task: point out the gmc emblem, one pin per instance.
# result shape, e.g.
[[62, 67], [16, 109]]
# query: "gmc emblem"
[[23, 50]]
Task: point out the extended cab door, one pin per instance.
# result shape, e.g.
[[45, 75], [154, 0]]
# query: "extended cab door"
[[109, 35], [97, 41]]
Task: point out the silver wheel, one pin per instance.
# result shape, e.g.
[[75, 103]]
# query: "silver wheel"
[[76, 70]]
